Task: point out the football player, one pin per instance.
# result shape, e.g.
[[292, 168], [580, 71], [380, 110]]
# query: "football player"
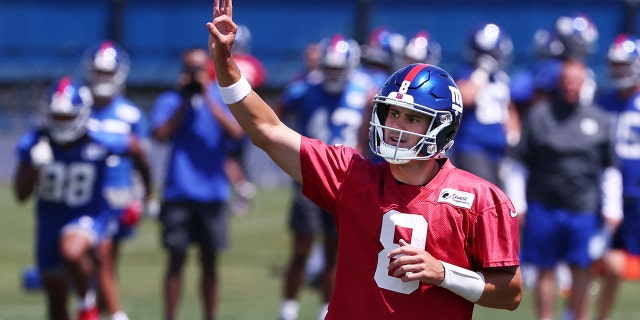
[[417, 236], [623, 102], [482, 143], [64, 166], [106, 66]]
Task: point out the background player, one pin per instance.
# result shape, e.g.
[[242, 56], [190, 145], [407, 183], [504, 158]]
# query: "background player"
[[623, 102], [65, 167], [566, 150], [332, 111], [482, 143], [106, 67]]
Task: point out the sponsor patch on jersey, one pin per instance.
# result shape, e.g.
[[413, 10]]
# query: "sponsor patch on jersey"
[[457, 198]]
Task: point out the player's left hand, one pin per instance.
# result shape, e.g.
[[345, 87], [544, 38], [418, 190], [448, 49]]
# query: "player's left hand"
[[411, 263], [41, 153]]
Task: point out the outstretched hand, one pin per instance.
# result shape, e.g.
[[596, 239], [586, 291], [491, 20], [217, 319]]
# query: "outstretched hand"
[[222, 29]]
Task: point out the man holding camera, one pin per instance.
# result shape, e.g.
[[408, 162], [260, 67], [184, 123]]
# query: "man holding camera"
[[196, 187]]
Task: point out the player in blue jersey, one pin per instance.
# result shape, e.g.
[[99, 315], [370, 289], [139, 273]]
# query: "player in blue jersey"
[[64, 166], [482, 144], [196, 188], [106, 67], [331, 110], [623, 102]]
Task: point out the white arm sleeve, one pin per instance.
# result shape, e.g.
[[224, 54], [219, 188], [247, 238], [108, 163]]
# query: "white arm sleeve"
[[515, 175], [463, 282], [611, 188]]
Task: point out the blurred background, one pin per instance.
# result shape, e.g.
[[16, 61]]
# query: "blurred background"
[[42, 40]]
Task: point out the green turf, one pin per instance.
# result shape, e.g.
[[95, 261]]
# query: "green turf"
[[251, 270]]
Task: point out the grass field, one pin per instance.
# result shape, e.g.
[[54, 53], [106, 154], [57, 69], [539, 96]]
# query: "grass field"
[[250, 269]]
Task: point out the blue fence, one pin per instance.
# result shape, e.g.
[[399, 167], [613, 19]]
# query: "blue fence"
[[44, 39]]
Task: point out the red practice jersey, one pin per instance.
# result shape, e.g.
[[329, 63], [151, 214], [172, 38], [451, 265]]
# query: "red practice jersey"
[[457, 217]]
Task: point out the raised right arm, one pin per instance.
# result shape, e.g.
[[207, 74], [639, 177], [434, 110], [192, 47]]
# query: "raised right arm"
[[255, 116]]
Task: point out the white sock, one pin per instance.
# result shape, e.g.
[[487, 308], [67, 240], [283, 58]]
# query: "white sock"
[[289, 310], [324, 308], [119, 315], [88, 301]]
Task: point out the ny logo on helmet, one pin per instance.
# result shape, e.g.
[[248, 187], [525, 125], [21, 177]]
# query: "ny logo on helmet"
[[456, 99]]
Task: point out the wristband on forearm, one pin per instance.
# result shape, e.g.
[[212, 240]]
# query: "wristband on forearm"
[[463, 282], [236, 91]]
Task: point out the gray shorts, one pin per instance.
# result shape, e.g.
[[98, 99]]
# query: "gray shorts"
[[307, 218], [187, 222]]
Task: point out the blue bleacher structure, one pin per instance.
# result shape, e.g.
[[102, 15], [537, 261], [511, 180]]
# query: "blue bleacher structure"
[[45, 39]]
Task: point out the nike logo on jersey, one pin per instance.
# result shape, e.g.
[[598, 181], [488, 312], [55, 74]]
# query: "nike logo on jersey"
[[457, 198]]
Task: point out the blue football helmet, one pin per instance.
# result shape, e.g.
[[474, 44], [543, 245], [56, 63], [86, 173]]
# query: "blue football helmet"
[[422, 49], [488, 46], [623, 61], [338, 58], [107, 67], [578, 33], [68, 106], [384, 48], [426, 89]]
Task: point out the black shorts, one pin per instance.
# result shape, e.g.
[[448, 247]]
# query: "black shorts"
[[187, 222], [306, 218]]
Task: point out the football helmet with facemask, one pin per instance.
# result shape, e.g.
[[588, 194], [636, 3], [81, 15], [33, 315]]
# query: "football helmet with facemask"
[[428, 90], [68, 106], [623, 61], [106, 68], [339, 57], [422, 49], [578, 33], [488, 47]]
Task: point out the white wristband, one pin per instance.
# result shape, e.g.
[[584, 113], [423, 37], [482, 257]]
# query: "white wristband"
[[236, 91], [463, 282]]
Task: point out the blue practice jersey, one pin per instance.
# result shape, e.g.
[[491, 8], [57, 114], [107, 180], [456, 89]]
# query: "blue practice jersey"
[[627, 138], [196, 165], [331, 118], [120, 118], [483, 124], [71, 186]]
